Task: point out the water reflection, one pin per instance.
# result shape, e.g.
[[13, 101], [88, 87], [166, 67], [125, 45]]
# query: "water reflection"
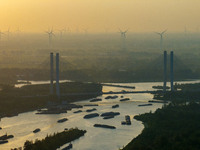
[[21, 126]]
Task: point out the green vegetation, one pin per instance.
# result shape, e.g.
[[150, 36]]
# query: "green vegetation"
[[174, 127], [52, 142], [188, 87], [179, 96], [183, 93], [31, 97]]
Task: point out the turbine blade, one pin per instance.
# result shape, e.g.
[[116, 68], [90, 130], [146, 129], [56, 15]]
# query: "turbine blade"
[[119, 30], [157, 33], [126, 30], [164, 31]]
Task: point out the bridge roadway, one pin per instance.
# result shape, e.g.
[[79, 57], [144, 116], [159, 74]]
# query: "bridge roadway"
[[122, 92], [132, 92], [120, 86], [99, 93]]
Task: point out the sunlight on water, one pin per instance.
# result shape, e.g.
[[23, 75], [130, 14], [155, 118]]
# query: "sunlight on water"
[[21, 126]]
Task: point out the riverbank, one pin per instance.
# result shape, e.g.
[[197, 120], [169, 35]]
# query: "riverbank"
[[52, 142], [183, 93], [176, 126], [21, 126], [32, 97]]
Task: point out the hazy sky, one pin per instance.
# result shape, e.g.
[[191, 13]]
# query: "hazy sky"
[[96, 15]]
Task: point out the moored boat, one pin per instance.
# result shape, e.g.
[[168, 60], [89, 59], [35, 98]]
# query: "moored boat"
[[68, 147], [145, 105], [36, 130], [62, 120], [78, 111], [125, 99], [91, 116], [90, 110], [3, 141], [115, 106], [104, 126]]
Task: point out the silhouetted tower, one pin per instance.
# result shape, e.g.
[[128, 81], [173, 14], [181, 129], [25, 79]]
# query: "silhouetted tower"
[[51, 73], [165, 71], [57, 76], [172, 70]]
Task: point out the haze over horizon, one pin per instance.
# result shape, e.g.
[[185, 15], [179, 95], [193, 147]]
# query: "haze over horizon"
[[100, 15]]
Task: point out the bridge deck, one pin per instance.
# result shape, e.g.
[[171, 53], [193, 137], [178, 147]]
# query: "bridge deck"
[[101, 93]]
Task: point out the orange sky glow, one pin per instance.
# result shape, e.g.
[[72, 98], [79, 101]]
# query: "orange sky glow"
[[96, 15]]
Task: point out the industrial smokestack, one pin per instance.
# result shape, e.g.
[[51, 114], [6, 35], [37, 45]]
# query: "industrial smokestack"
[[57, 75], [51, 73], [172, 70], [165, 71]]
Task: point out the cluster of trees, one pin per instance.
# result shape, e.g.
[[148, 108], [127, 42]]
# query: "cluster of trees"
[[17, 100], [52, 142], [103, 66], [174, 127], [188, 87], [185, 93]]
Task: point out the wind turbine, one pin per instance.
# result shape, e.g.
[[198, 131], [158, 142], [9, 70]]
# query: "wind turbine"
[[161, 38], [106, 30], [8, 34], [77, 29], [187, 36], [123, 33], [50, 34], [61, 32], [18, 31], [85, 30], [123, 37], [68, 30], [185, 30], [197, 29], [1, 33]]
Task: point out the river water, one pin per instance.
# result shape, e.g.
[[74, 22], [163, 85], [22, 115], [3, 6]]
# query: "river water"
[[21, 126]]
